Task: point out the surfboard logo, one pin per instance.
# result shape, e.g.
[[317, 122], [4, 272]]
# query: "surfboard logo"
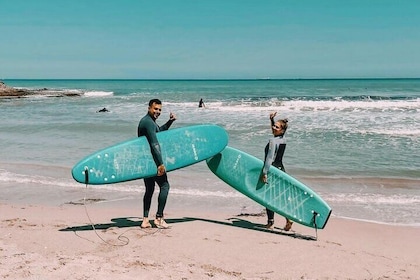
[[237, 161], [194, 151]]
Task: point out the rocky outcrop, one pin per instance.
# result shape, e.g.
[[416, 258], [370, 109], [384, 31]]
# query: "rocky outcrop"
[[6, 91], [10, 92]]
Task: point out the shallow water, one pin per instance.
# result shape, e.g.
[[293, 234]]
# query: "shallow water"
[[355, 142]]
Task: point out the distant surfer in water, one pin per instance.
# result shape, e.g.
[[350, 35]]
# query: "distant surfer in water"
[[148, 127], [274, 152], [103, 110], [201, 103]]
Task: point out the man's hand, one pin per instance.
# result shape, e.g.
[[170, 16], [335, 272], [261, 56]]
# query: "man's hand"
[[172, 116], [161, 170]]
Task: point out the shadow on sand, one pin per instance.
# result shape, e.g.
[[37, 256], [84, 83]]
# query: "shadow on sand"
[[127, 222]]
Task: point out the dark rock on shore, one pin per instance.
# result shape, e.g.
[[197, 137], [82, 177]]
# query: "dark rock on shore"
[[10, 92]]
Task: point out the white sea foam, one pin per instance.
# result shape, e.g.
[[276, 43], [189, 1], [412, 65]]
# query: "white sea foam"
[[394, 132], [374, 199], [98, 93], [129, 187], [315, 105], [74, 91], [11, 177], [411, 224]]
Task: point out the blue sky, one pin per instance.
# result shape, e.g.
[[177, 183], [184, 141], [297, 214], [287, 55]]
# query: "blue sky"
[[209, 39]]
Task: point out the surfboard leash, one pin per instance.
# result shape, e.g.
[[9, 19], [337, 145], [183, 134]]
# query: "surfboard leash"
[[124, 239], [120, 237]]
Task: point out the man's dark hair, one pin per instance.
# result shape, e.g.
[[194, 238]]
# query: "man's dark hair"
[[157, 101]]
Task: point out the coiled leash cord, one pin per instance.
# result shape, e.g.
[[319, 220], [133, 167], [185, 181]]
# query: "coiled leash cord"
[[124, 239]]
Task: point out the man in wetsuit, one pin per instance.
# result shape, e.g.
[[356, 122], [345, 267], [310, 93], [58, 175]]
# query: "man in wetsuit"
[[274, 152], [148, 127]]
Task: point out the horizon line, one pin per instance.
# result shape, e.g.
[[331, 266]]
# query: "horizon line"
[[214, 79]]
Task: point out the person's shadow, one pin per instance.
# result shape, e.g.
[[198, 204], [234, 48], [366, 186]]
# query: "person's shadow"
[[125, 222]]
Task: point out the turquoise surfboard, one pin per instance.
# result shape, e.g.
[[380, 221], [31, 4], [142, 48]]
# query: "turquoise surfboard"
[[282, 194], [132, 159]]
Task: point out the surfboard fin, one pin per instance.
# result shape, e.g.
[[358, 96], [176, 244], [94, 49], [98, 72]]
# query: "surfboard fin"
[[86, 175], [315, 214]]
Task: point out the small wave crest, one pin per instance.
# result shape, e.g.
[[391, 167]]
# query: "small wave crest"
[[394, 132], [301, 105], [379, 208], [73, 91], [374, 199], [202, 193], [7, 177], [128, 187], [98, 93]]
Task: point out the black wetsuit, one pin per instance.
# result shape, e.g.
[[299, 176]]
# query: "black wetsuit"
[[274, 152], [148, 127]]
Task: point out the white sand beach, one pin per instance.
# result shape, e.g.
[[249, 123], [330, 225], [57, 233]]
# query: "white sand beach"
[[45, 242]]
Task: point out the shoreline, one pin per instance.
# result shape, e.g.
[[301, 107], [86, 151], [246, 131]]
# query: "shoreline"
[[53, 186], [58, 242]]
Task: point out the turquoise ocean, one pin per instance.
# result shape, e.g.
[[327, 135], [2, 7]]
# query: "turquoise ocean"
[[356, 142]]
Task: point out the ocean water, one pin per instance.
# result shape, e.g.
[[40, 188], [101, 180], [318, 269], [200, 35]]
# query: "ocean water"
[[355, 142]]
